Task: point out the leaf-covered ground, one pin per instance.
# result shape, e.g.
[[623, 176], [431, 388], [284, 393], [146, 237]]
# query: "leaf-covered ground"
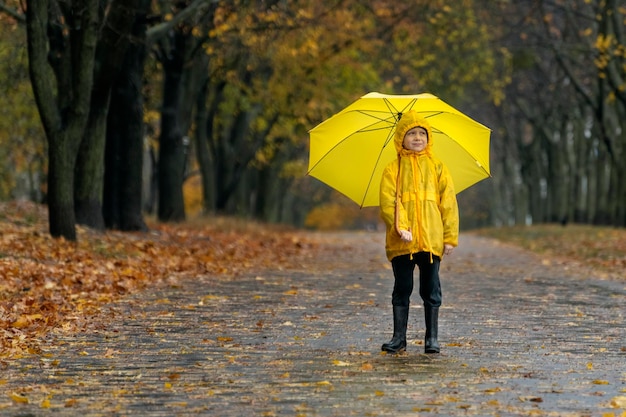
[[54, 284], [521, 335], [589, 248]]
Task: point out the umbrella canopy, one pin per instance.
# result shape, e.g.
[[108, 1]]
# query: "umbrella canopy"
[[350, 150]]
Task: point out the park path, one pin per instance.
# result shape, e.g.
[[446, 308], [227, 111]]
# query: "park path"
[[520, 335]]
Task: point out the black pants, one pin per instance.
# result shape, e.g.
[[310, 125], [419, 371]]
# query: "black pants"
[[430, 287]]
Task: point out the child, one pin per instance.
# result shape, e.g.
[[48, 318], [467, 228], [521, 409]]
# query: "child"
[[418, 205]]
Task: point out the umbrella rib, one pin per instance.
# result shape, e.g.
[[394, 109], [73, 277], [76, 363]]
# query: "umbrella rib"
[[395, 111], [363, 129], [371, 113], [369, 183]]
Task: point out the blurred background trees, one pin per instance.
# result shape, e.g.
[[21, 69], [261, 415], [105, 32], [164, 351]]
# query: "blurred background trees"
[[197, 107]]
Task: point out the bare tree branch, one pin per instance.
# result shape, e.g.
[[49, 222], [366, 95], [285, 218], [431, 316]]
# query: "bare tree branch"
[[195, 8]]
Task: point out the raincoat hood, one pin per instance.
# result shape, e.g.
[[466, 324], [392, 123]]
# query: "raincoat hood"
[[408, 121]]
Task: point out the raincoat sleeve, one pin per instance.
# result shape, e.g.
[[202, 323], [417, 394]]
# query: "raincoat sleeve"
[[388, 199], [449, 208]]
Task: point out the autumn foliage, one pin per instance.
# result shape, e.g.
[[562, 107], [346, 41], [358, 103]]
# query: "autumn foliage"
[[55, 285]]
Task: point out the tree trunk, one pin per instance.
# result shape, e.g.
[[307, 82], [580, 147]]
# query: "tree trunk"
[[233, 157], [201, 142], [109, 59], [64, 106], [122, 200], [61, 158], [558, 179], [89, 170], [171, 160]]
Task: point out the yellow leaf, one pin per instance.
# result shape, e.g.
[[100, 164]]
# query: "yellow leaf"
[[600, 382], [340, 363], [19, 398], [45, 403], [379, 393], [21, 322], [323, 383], [619, 402], [590, 366], [167, 385], [367, 366]]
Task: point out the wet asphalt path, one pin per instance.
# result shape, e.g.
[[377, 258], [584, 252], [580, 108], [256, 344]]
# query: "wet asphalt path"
[[520, 336]]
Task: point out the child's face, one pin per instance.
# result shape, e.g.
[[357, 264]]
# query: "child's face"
[[415, 139]]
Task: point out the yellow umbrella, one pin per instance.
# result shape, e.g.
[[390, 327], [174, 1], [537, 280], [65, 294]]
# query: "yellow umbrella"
[[350, 150]]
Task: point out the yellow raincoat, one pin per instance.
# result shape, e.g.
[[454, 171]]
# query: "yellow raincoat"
[[425, 191]]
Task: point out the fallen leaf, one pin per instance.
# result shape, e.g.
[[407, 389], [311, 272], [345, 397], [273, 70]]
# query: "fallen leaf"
[[19, 398], [367, 366], [619, 402], [530, 398]]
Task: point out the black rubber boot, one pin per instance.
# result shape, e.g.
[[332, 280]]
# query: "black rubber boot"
[[431, 314], [400, 320]]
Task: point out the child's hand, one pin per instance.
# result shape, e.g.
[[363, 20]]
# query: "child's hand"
[[406, 235], [447, 249]]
